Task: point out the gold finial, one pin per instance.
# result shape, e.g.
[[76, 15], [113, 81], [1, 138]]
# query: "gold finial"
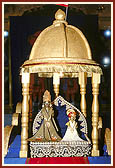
[[60, 15], [46, 96]]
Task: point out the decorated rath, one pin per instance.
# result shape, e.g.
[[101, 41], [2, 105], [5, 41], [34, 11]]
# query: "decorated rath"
[[61, 51]]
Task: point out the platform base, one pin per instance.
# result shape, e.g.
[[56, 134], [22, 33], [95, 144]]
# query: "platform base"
[[60, 149]]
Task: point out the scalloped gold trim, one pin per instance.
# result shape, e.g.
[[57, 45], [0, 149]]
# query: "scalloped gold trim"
[[66, 69]]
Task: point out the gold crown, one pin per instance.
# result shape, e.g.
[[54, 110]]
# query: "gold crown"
[[46, 96]]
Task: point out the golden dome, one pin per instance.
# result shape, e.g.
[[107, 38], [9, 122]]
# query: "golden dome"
[[59, 47]]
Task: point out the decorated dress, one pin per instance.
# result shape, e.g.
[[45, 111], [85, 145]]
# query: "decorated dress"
[[71, 132], [47, 130]]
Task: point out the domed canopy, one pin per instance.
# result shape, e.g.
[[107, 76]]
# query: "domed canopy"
[[61, 48]]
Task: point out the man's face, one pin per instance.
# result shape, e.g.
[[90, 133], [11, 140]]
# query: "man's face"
[[47, 103]]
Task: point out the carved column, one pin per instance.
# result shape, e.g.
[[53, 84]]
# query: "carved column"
[[95, 113], [25, 111], [82, 83], [30, 110], [56, 83]]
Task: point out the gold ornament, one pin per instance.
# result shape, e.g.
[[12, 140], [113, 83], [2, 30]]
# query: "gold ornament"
[[61, 48], [108, 140]]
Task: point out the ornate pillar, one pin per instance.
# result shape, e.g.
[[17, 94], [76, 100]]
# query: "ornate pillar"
[[30, 109], [82, 83], [95, 113], [56, 83], [25, 110]]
